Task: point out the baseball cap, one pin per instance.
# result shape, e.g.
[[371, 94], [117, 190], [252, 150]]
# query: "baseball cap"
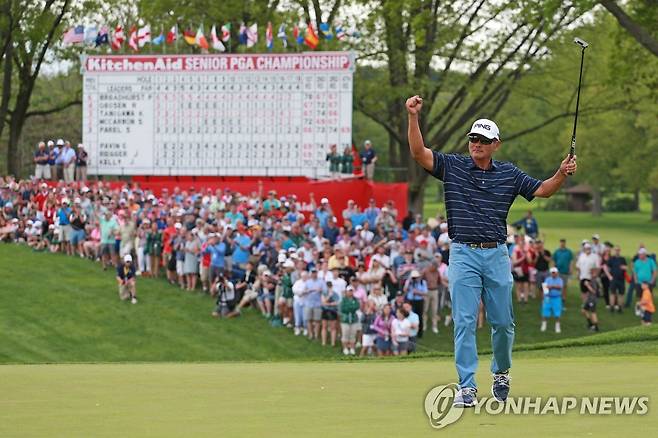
[[51, 143], [324, 201], [127, 258], [60, 142], [415, 274], [596, 236], [178, 225], [486, 128], [587, 246], [553, 269], [642, 251]]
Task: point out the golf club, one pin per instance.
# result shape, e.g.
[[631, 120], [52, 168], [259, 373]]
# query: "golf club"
[[583, 44]]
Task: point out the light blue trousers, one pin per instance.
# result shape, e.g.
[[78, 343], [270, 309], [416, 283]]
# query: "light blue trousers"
[[484, 274]]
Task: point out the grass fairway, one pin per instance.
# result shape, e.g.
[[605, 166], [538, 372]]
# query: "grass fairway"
[[338, 399]]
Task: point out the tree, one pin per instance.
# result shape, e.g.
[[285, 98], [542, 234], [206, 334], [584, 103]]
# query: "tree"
[[33, 28], [463, 58], [647, 10]]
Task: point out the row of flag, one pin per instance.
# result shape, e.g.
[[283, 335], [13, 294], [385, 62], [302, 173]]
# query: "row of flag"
[[138, 37]]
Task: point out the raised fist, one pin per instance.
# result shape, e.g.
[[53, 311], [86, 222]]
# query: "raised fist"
[[414, 105]]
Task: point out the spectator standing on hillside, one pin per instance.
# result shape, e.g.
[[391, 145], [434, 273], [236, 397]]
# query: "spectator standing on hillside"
[[66, 160], [616, 271], [349, 321], [192, 249], [521, 269], [78, 221], [41, 158], [597, 246], [416, 291], [335, 160], [81, 163], [53, 152], [347, 162], [644, 270], [587, 263], [329, 300], [542, 264], [529, 225], [382, 326], [63, 214], [313, 304], [552, 303], [109, 227], [127, 231], [563, 257], [368, 158], [153, 248], [126, 279]]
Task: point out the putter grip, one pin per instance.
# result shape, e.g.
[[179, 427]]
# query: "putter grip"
[[572, 152]]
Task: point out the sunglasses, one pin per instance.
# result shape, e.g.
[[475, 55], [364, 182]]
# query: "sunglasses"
[[474, 138]]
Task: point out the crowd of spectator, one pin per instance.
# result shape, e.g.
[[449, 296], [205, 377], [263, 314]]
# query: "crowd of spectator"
[[375, 283]]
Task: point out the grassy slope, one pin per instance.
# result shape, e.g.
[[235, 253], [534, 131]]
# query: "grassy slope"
[[338, 399], [56, 308], [60, 309]]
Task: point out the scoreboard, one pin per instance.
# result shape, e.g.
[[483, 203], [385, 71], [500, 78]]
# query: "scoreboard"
[[233, 114]]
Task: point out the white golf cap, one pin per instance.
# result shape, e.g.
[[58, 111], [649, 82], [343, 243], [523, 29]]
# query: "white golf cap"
[[127, 258], [178, 225], [486, 128], [553, 269], [281, 258], [324, 201], [51, 143], [642, 251], [596, 236], [415, 274], [60, 142], [587, 246]]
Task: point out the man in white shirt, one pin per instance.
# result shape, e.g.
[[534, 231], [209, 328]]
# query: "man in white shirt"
[[299, 295], [338, 283], [381, 257], [587, 263], [597, 246]]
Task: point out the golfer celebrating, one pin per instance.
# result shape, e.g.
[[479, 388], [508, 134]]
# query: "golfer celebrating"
[[478, 194]]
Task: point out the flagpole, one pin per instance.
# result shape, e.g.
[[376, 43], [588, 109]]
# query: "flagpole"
[[177, 38]]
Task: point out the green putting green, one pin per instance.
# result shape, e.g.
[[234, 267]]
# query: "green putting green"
[[365, 398]]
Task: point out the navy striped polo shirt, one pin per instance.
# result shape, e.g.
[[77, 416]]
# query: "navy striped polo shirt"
[[477, 201]]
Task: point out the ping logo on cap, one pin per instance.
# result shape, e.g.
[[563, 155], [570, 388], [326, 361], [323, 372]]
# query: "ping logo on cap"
[[480, 125]]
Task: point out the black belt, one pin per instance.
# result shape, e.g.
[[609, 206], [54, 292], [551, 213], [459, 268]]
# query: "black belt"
[[480, 245]]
